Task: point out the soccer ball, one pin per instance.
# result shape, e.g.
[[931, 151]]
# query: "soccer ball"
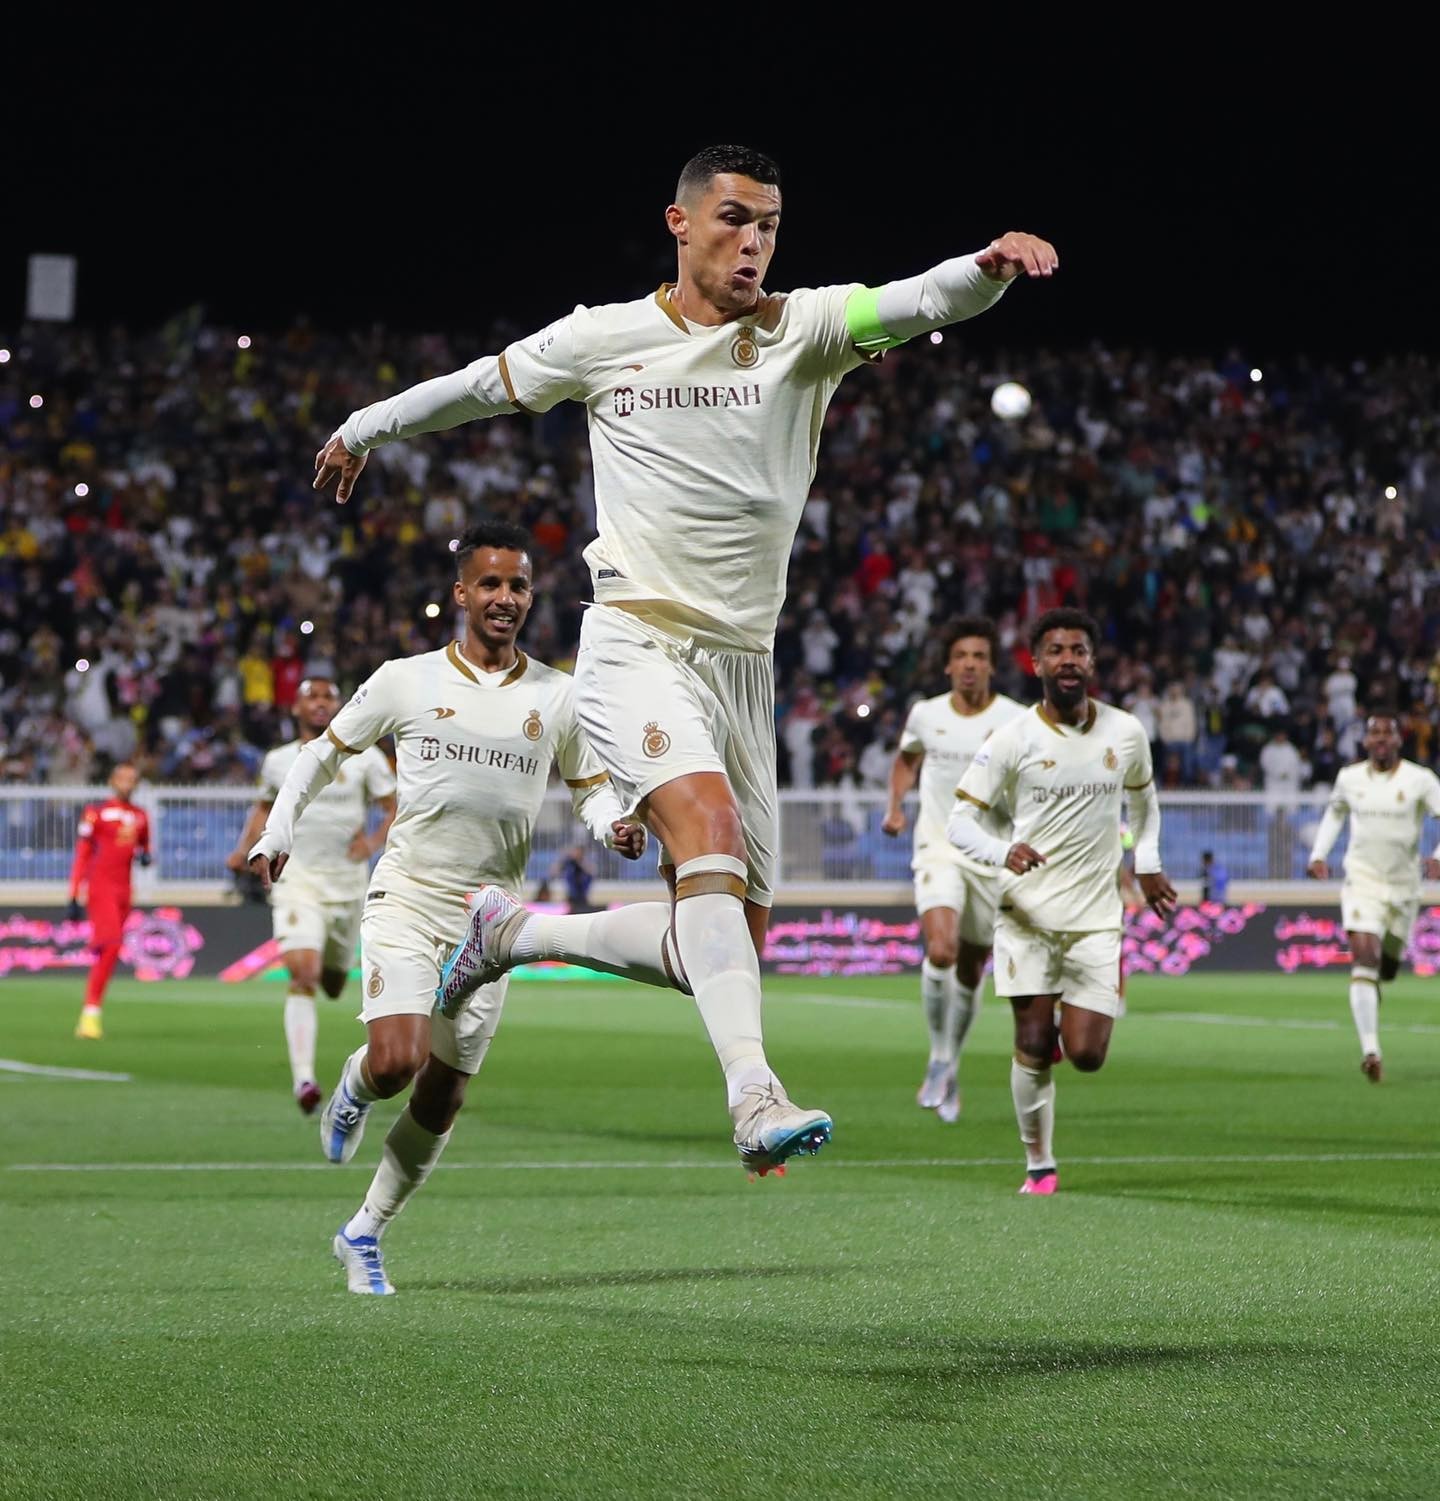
[[1010, 401]]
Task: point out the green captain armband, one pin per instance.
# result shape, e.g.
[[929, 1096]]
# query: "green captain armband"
[[862, 318]]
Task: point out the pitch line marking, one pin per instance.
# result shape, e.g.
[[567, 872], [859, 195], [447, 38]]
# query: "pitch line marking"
[[889, 1164], [44, 1071]]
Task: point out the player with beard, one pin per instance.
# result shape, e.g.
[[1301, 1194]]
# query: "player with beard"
[[1064, 769], [477, 727]]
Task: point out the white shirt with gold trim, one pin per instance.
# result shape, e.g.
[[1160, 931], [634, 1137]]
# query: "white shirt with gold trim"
[[948, 741], [704, 443], [474, 751], [1065, 786], [1387, 822], [318, 859]]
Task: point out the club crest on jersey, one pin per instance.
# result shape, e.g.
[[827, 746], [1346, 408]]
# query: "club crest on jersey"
[[376, 985], [532, 727], [656, 741], [744, 351], [1111, 759]]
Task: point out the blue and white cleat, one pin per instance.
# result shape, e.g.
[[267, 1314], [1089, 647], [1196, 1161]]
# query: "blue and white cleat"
[[483, 955], [342, 1124], [770, 1130], [364, 1265]]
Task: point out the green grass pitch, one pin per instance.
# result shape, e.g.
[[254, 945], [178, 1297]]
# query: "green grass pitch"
[[1235, 1294]]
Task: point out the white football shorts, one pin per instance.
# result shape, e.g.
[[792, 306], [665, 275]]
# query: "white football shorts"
[[656, 707], [942, 882], [302, 918], [403, 949], [1371, 909], [1083, 969]]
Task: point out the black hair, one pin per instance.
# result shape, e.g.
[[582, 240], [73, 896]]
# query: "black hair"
[[503, 536], [695, 175], [1064, 620], [1386, 711], [973, 625]]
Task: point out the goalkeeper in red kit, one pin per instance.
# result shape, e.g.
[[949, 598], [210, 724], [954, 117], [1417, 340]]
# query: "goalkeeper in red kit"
[[112, 835]]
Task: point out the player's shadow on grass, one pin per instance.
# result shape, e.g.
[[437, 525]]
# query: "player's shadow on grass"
[[927, 1389], [641, 1277]]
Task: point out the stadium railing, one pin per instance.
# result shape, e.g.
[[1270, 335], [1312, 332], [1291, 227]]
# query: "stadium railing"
[[826, 837]]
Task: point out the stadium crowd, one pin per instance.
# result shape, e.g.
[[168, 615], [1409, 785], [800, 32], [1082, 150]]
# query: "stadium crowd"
[[1261, 548]]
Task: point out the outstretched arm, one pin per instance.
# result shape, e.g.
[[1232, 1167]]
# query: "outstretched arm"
[[530, 376], [879, 318], [431, 407]]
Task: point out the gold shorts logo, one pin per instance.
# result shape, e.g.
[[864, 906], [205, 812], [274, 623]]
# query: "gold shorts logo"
[[744, 351], [656, 741], [1010, 968], [533, 728], [376, 985], [1111, 760]]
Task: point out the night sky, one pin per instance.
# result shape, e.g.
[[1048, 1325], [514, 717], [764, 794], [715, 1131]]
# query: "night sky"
[[1279, 206]]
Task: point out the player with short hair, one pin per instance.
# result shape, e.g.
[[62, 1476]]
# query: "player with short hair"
[[316, 904], [112, 835], [477, 727], [1385, 799], [954, 895], [705, 401], [1064, 769]]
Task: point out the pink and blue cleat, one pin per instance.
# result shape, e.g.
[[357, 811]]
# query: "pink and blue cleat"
[[1044, 1180]]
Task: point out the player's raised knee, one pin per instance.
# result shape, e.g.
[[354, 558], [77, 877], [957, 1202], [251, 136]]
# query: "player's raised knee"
[[941, 954], [393, 1062], [1087, 1057]]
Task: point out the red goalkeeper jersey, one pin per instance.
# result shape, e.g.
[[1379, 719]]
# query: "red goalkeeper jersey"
[[112, 833]]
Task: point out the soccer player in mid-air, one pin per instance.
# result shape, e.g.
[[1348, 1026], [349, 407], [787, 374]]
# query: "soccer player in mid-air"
[[477, 727], [705, 402], [316, 903], [1065, 769], [1386, 800], [112, 835], [955, 896]]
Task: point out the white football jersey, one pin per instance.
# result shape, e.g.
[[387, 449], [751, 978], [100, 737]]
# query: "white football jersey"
[[704, 443], [318, 858], [1064, 787], [473, 755], [948, 740], [1387, 818]]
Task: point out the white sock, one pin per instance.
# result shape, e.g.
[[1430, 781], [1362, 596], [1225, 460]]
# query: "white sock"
[[352, 1076], [410, 1152], [1033, 1091], [633, 941], [1365, 1007], [937, 995], [964, 1008], [300, 1029], [724, 973]]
